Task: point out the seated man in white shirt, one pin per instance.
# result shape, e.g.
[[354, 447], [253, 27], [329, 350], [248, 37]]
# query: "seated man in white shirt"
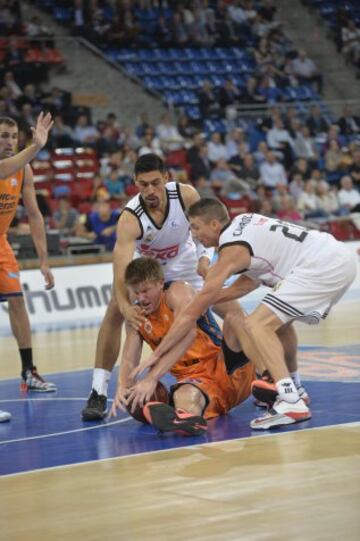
[[348, 196], [272, 172]]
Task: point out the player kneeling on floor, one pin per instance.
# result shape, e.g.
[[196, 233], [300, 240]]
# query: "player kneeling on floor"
[[212, 374]]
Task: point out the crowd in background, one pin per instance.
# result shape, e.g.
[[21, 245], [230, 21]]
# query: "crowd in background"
[[293, 163]]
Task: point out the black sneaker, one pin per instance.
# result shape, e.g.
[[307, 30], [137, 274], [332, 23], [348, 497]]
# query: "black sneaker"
[[96, 409], [167, 419]]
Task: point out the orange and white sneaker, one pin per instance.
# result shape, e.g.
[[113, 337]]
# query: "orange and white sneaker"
[[32, 381], [167, 419], [282, 413]]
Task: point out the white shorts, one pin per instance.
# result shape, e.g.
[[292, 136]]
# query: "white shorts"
[[314, 286]]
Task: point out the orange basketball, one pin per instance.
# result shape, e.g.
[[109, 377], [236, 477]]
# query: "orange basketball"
[[160, 395]]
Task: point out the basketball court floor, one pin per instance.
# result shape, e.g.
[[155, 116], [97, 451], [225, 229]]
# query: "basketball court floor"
[[65, 479]]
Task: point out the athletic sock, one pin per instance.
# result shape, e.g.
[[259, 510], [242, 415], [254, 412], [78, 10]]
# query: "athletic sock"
[[287, 390], [26, 359], [295, 376], [101, 378]]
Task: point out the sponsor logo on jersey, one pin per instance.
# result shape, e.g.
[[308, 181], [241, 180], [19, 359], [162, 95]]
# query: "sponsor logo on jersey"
[[13, 182], [174, 224], [149, 234], [262, 221], [244, 221], [163, 254]]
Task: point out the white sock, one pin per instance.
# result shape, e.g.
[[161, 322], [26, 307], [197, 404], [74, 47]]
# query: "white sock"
[[101, 378], [295, 376], [287, 390]]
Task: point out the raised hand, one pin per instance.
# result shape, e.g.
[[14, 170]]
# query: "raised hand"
[[40, 133]]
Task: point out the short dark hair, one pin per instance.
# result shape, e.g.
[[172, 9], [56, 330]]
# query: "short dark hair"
[[209, 208], [149, 162], [8, 121], [143, 269]]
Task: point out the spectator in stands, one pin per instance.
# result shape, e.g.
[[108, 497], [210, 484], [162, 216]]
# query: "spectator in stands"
[[168, 134], [279, 140], [200, 163], [115, 184], [143, 125], [354, 169], [216, 148], [107, 143], [350, 38], [316, 122], [333, 157], [85, 133], [220, 174], [301, 167], [261, 153], [65, 218], [186, 129], [307, 203], [99, 191], [287, 209], [61, 134], [57, 101], [204, 187], [296, 186], [100, 225], [250, 94], [349, 123], [326, 198], [348, 196], [306, 70], [26, 117], [32, 96], [229, 95], [208, 102], [272, 172], [262, 52], [304, 145], [150, 143], [14, 58], [266, 208], [12, 85], [236, 143], [179, 32]]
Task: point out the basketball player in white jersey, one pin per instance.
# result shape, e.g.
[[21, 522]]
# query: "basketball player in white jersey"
[[153, 223], [309, 272]]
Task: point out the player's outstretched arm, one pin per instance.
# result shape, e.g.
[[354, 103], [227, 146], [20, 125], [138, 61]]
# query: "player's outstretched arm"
[[40, 133], [241, 287]]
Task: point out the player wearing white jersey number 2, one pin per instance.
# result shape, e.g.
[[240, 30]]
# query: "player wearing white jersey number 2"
[[309, 272], [153, 224]]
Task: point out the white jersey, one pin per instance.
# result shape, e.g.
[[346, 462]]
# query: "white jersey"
[[276, 247], [170, 243]]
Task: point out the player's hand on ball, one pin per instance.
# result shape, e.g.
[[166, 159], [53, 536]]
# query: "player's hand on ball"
[[120, 401], [141, 392]]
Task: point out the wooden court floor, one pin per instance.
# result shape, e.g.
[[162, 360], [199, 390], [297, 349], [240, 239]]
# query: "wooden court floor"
[[302, 484]]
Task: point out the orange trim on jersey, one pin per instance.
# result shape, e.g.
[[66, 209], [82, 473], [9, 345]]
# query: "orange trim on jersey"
[[10, 191]]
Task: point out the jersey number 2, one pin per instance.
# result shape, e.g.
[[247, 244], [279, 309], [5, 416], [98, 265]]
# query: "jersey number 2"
[[285, 229]]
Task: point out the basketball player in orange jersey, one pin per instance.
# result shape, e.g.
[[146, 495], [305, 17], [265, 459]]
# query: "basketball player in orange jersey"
[[16, 180], [212, 376]]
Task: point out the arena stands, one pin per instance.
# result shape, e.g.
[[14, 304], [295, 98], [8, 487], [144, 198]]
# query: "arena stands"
[[252, 126]]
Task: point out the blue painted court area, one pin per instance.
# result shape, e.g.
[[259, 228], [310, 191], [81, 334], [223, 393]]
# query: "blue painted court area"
[[46, 430]]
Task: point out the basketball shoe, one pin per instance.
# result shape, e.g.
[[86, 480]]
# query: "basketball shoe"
[[265, 393], [168, 419], [4, 416], [96, 407], [282, 413], [32, 381]]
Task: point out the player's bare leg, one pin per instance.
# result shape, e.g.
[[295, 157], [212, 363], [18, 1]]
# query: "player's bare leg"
[[107, 352], [20, 326], [258, 335]]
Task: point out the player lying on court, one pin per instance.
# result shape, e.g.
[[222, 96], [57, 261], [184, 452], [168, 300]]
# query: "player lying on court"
[[309, 272], [212, 374]]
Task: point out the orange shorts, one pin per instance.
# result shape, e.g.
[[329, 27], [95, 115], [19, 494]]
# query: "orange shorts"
[[10, 285], [222, 390]]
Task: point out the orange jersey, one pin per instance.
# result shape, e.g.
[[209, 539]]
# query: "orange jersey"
[[10, 191], [158, 324]]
